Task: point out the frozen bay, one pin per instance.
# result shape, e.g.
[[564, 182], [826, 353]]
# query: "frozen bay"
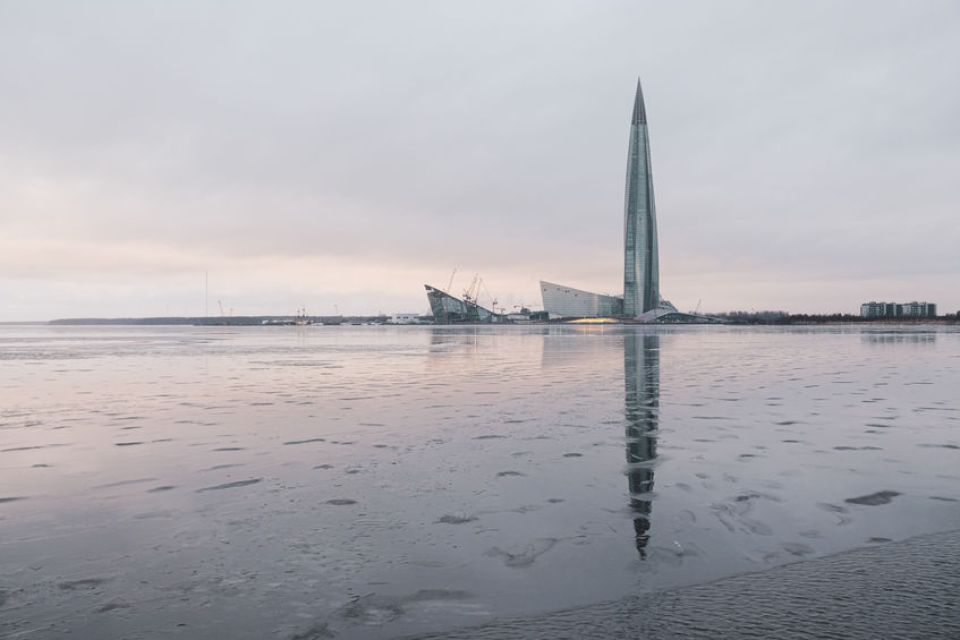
[[375, 481]]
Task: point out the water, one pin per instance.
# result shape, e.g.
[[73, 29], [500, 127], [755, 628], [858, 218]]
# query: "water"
[[369, 482]]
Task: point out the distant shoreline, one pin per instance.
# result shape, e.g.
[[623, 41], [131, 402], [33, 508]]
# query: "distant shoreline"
[[233, 321], [251, 321]]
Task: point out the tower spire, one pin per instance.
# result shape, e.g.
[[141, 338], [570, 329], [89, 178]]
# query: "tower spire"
[[639, 110]]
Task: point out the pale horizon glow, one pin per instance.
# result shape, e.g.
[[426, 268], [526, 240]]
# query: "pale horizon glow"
[[340, 156]]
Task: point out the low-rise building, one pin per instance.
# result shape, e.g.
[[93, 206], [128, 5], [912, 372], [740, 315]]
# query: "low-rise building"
[[897, 310], [405, 318], [880, 310], [919, 310]]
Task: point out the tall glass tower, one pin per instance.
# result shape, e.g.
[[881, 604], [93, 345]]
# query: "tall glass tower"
[[641, 270]]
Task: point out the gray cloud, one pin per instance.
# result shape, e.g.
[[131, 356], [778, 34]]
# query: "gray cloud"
[[805, 153]]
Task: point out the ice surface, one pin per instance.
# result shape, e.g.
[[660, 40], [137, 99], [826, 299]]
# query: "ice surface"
[[367, 482]]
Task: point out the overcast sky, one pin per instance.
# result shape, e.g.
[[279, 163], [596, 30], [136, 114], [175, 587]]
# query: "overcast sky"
[[806, 154]]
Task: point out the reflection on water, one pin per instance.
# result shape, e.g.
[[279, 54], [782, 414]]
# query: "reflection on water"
[[899, 337], [641, 372]]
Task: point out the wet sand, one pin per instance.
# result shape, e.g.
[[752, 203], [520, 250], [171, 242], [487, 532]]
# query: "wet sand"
[[905, 590]]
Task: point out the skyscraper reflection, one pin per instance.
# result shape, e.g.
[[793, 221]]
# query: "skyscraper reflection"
[[641, 373]]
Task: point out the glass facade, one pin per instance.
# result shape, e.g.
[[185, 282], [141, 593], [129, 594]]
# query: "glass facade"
[[447, 309], [566, 302], [641, 301], [641, 268]]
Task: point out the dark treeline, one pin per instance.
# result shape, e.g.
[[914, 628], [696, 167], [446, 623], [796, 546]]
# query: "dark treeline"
[[782, 318]]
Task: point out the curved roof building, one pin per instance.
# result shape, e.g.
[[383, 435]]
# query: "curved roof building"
[[567, 302]]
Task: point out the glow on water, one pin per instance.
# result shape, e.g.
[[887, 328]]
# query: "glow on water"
[[374, 481]]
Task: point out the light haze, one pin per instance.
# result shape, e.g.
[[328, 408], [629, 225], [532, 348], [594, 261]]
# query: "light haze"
[[341, 155]]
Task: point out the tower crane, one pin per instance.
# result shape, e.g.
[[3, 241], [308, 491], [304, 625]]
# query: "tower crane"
[[473, 291], [493, 301], [450, 284]]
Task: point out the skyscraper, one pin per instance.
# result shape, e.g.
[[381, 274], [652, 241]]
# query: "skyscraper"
[[641, 268], [641, 301]]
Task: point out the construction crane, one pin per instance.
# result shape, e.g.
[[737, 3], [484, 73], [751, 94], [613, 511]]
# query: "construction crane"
[[223, 316], [493, 301], [471, 293], [450, 284]]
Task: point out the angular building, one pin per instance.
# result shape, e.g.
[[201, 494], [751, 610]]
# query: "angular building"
[[447, 309], [641, 266]]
